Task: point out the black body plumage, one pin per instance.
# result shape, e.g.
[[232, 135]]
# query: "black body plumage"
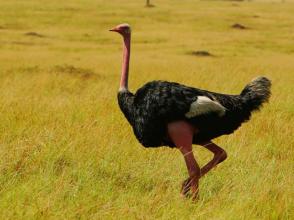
[[157, 103]]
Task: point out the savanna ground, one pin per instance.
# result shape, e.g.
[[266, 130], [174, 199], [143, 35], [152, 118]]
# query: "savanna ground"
[[66, 150]]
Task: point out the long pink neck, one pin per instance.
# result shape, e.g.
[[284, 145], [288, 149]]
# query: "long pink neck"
[[125, 65]]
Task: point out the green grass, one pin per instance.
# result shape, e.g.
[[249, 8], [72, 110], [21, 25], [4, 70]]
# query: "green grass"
[[66, 150]]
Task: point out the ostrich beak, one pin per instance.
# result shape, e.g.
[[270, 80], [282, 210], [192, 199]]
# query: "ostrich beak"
[[114, 29]]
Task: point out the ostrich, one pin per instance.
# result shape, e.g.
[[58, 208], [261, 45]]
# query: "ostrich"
[[169, 114]]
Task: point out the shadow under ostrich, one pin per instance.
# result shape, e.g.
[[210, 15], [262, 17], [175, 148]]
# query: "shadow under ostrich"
[[170, 114]]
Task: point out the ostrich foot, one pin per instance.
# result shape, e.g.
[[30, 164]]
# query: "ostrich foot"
[[186, 185], [190, 184]]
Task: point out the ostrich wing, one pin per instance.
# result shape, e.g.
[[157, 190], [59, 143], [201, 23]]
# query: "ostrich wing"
[[172, 101]]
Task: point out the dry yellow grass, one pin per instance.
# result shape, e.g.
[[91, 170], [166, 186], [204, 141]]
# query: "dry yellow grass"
[[68, 153]]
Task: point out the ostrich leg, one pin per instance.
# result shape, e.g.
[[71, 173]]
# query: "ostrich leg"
[[181, 133], [219, 156]]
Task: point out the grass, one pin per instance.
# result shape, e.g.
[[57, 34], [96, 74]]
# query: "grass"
[[66, 150]]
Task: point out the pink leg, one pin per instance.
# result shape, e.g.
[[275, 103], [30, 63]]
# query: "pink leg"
[[181, 133], [219, 156]]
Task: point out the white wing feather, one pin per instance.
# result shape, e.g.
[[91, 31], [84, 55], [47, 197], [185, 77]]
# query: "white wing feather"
[[204, 105]]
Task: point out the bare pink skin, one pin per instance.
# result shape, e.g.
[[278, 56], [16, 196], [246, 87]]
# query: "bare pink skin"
[[180, 132]]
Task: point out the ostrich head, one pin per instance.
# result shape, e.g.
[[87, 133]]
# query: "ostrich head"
[[123, 29]]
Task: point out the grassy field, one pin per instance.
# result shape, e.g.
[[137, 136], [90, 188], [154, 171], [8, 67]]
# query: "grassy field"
[[66, 150]]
